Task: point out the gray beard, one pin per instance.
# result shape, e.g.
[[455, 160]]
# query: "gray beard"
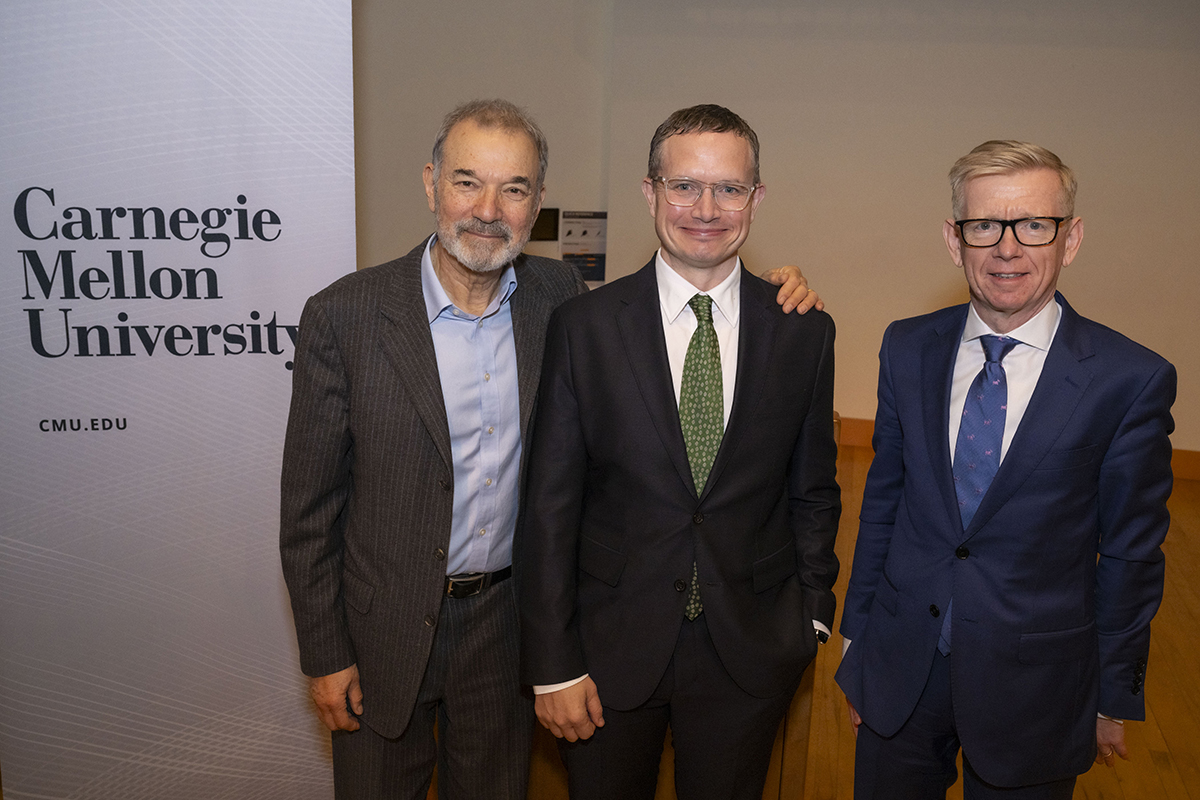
[[481, 259]]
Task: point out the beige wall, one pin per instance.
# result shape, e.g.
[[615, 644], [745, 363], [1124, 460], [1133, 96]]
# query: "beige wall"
[[861, 109]]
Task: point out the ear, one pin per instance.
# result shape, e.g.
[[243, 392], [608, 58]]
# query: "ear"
[[651, 195], [1074, 239], [430, 184], [953, 243], [760, 192]]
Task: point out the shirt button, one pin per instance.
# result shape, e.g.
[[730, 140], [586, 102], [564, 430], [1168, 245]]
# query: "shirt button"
[[491, 430], [962, 552], [487, 376], [482, 531], [933, 611], [439, 554], [680, 585]]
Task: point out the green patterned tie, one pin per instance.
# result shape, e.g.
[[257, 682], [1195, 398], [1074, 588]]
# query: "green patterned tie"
[[701, 412]]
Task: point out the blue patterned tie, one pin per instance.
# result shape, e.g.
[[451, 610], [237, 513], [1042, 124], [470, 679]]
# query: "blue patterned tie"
[[701, 413], [980, 434]]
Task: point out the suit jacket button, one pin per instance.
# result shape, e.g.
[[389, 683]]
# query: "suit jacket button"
[[429, 620], [439, 554], [680, 585], [697, 518], [445, 484], [933, 611], [962, 552]]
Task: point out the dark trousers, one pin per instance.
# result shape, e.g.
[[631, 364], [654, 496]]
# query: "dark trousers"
[[918, 763], [722, 736], [471, 689]]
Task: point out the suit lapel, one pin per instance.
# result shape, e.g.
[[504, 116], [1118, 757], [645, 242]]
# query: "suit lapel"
[[1064, 379], [936, 372], [405, 338], [639, 321], [531, 308], [756, 340]]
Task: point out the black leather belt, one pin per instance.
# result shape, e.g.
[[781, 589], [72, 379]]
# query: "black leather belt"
[[469, 584]]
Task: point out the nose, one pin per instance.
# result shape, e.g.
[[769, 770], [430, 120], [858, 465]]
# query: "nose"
[[487, 207], [1008, 246], [706, 205]]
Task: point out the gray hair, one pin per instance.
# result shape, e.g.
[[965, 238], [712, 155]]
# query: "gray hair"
[[494, 114]]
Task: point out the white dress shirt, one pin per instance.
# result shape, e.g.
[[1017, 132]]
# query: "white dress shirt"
[[1022, 367], [679, 323]]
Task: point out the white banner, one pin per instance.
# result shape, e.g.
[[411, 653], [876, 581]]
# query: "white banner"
[[177, 178]]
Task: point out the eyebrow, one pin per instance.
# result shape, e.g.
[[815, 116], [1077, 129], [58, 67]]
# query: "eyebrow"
[[470, 173]]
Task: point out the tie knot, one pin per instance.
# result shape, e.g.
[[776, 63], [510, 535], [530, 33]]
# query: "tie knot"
[[702, 307], [995, 348]]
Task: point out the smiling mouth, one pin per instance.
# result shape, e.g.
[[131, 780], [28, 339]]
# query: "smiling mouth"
[[484, 230]]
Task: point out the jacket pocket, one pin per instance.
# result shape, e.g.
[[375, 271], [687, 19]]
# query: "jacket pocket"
[[357, 592], [774, 569], [886, 594], [1053, 647], [601, 561], [1068, 459]]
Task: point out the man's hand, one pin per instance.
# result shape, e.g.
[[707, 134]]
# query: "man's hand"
[[793, 289], [573, 713], [332, 693], [855, 719], [1110, 741]]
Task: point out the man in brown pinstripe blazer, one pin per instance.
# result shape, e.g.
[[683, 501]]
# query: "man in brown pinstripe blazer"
[[412, 392]]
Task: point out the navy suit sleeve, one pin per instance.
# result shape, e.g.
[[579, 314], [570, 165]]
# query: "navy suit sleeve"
[[881, 498], [1135, 482]]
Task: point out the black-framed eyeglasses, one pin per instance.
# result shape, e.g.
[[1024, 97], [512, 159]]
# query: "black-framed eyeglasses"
[[686, 192], [1030, 231]]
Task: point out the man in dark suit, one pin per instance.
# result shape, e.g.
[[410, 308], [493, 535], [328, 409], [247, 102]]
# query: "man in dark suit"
[[1008, 561], [676, 560], [411, 402]]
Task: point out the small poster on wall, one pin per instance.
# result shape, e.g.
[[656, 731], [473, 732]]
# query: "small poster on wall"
[[584, 238]]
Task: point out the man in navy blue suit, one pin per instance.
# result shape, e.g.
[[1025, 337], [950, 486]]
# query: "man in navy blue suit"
[[1008, 561]]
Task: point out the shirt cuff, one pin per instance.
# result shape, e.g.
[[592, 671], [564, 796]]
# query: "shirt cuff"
[[557, 687]]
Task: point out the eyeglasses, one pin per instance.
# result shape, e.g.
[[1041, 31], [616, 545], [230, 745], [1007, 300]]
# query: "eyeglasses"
[[1030, 231], [685, 192]]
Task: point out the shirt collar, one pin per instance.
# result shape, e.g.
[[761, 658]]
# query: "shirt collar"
[[674, 291], [1037, 332], [436, 298]]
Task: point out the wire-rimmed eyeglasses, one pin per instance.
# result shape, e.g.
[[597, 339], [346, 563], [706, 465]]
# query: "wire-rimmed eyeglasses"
[[686, 192]]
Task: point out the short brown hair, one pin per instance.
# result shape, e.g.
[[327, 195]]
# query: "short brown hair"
[[1003, 157], [494, 114], [706, 118]]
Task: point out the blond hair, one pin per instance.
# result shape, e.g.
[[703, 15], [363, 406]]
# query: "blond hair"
[[1004, 157]]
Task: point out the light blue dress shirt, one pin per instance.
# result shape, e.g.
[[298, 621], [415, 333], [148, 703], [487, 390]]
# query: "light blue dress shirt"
[[477, 366]]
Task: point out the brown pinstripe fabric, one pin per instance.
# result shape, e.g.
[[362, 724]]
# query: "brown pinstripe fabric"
[[366, 487]]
